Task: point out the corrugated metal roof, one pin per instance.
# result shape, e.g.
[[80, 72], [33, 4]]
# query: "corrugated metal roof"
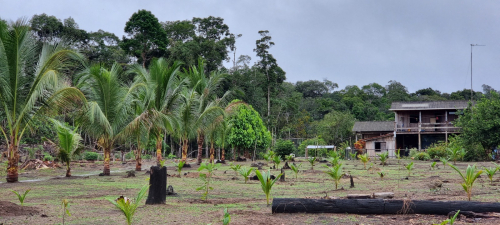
[[373, 126], [398, 106]]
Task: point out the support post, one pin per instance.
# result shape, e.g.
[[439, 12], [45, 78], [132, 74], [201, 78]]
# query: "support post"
[[419, 129]]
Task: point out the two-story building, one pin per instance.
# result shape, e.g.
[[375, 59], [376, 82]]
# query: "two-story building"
[[415, 125]]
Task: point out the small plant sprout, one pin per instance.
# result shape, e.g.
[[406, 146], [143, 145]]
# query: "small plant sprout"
[[127, 206], [353, 155], [364, 158], [245, 172], [382, 174], [21, 197], [209, 167], [456, 153], [162, 163], [409, 167], [433, 165], [311, 160], [277, 161], [234, 167], [334, 160], [227, 217], [383, 158], [295, 169], [266, 182], [398, 154], [470, 176], [335, 173], [179, 166], [490, 172], [65, 207], [450, 220], [269, 156], [444, 161], [289, 158]]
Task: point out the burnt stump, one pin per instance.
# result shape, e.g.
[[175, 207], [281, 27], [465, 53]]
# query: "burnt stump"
[[157, 185]]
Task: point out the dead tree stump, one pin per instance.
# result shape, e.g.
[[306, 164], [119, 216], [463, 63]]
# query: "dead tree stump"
[[282, 178], [157, 185]]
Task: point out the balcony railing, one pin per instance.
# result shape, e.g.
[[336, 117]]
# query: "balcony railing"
[[427, 127]]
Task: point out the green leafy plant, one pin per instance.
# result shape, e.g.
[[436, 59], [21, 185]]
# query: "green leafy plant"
[[456, 153], [245, 172], [90, 156], [179, 166], [127, 206], [335, 173], [353, 155], [422, 156], [162, 163], [289, 158], [277, 161], [295, 169], [47, 157], [450, 220], [206, 178], [409, 167], [171, 156], [311, 160], [433, 165], [444, 161], [21, 197], [469, 178], [364, 158], [269, 156], [234, 167], [65, 207], [266, 182], [383, 158], [227, 217], [334, 160], [490, 172], [382, 174]]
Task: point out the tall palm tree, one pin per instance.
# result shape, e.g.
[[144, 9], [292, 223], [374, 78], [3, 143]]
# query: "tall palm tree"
[[29, 83], [161, 96], [206, 88], [107, 112], [68, 144]]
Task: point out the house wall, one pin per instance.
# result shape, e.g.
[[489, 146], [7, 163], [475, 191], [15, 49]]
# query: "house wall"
[[390, 146]]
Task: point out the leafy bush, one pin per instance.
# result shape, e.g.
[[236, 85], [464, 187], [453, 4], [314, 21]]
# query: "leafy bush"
[[147, 156], [129, 155], [422, 156], [284, 148], [312, 152], [437, 150], [91, 156], [47, 157], [413, 152]]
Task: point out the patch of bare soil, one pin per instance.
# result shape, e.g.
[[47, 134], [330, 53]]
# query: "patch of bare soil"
[[12, 209]]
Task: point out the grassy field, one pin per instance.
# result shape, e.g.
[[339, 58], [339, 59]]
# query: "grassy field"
[[88, 194]]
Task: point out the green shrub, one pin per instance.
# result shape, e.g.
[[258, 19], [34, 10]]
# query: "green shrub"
[[312, 152], [413, 152], [91, 156], [284, 148], [47, 157], [100, 157], [422, 156], [147, 156], [129, 155], [437, 150]]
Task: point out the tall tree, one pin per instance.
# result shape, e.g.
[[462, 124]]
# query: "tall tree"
[[268, 66], [29, 82], [146, 37]]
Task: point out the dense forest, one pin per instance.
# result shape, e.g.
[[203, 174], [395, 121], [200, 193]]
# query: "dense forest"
[[193, 52]]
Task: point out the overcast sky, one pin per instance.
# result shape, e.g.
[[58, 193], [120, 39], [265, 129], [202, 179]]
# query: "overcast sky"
[[418, 43]]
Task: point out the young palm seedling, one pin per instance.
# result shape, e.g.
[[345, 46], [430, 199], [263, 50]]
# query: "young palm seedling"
[[209, 167], [382, 174], [490, 172], [353, 155], [469, 178], [383, 158], [456, 153], [234, 167], [334, 160], [311, 160], [433, 165], [276, 161], [295, 169], [266, 182], [289, 158], [409, 167], [335, 173], [364, 158], [245, 172], [21, 197], [127, 206], [450, 220], [444, 161], [65, 206], [179, 166], [68, 145], [227, 218]]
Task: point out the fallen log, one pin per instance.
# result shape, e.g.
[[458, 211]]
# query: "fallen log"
[[379, 206]]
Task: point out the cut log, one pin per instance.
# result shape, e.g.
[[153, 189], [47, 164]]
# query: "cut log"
[[359, 196], [379, 206], [383, 195], [157, 185], [282, 178], [352, 181]]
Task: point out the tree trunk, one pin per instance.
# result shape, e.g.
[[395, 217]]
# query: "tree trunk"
[[184, 150], [13, 156], [212, 152], [68, 170], [106, 170], [138, 160], [157, 185], [158, 148], [379, 206], [201, 139], [223, 155]]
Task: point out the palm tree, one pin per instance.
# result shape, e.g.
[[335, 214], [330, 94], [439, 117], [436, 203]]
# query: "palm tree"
[[161, 96], [108, 111], [68, 144], [30, 84], [206, 88]]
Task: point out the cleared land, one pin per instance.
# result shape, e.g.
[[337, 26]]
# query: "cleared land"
[[88, 194]]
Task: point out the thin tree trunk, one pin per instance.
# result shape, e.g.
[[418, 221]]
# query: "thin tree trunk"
[[212, 152], [107, 153], [184, 150], [68, 170], [138, 156], [223, 156], [13, 155], [158, 148], [201, 138]]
